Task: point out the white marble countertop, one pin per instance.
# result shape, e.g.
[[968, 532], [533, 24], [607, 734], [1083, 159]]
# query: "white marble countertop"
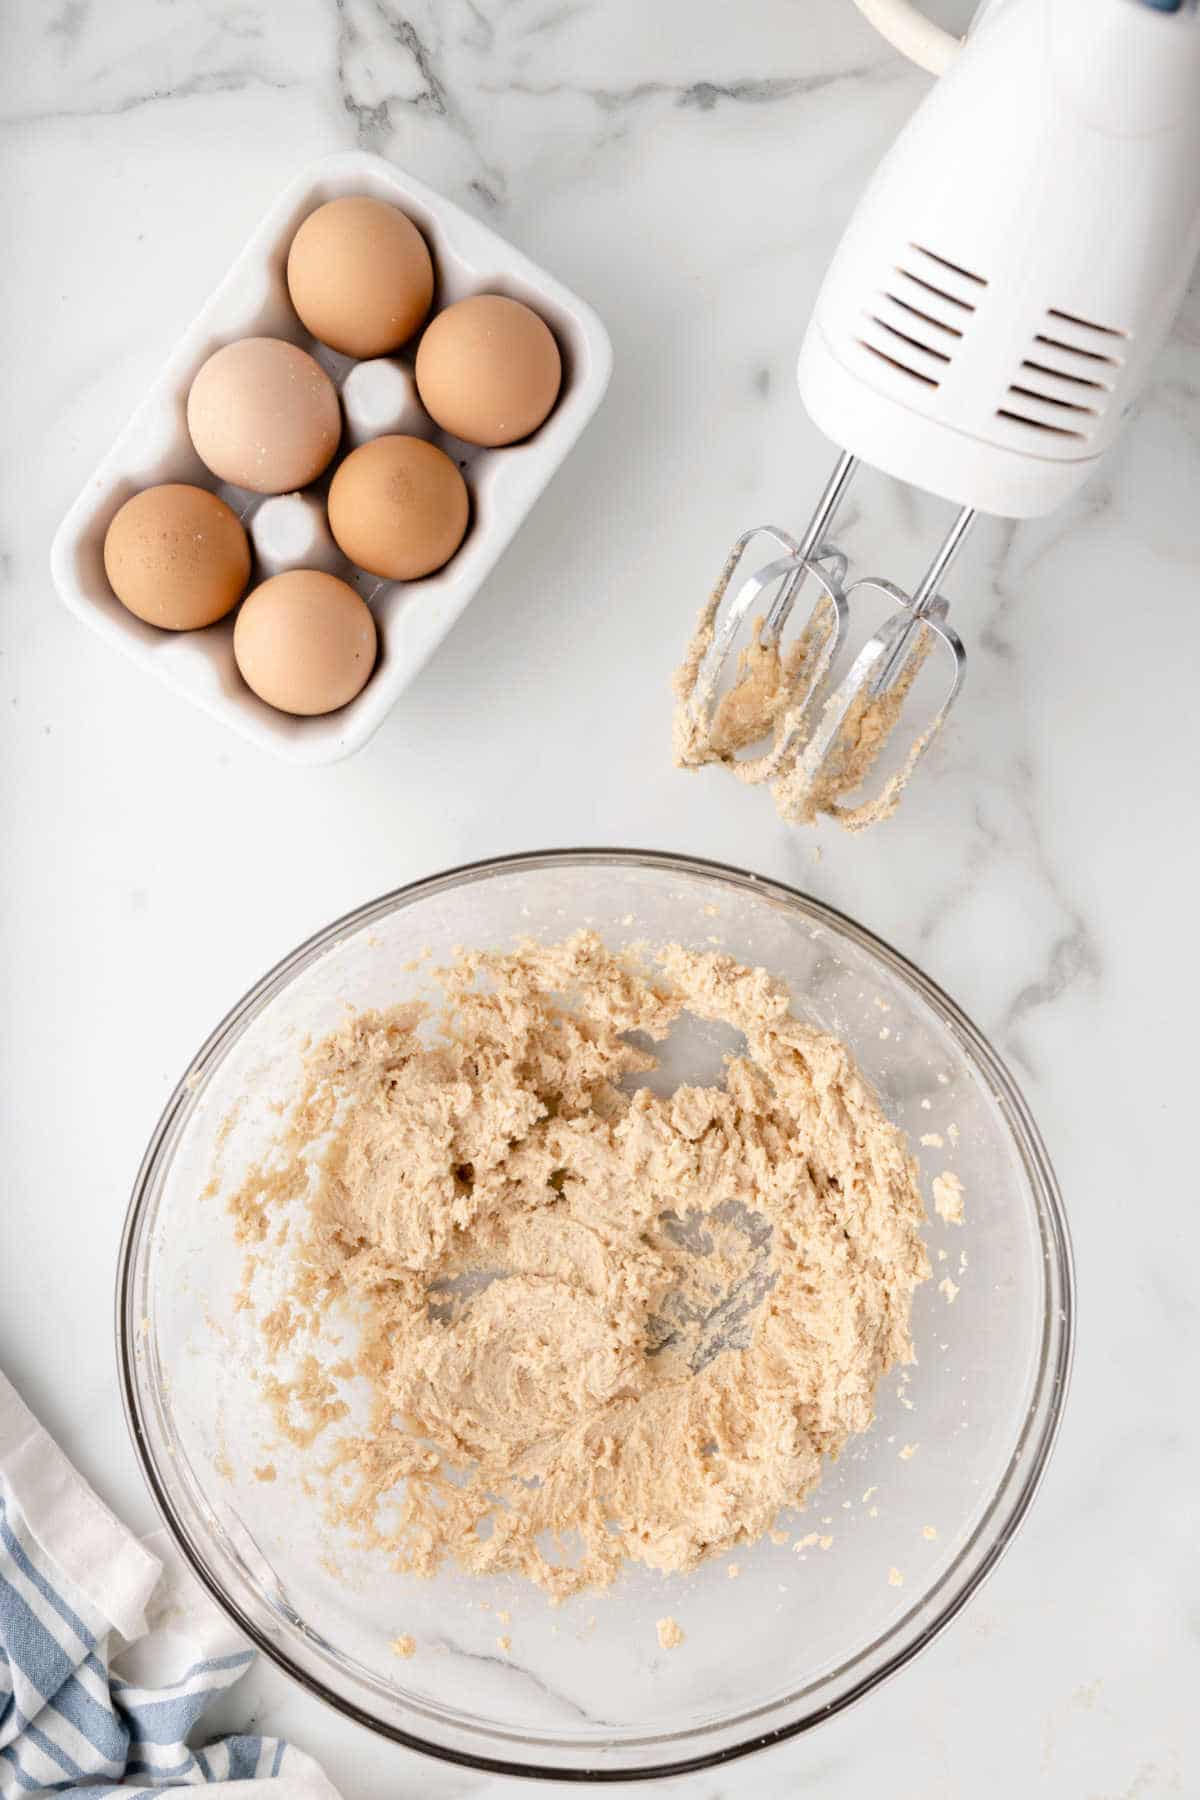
[[687, 166]]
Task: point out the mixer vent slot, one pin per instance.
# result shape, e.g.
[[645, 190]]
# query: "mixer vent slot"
[[946, 290], [1016, 418], [935, 331], [904, 368], [1111, 331], [1085, 384], [919, 317], [906, 342], [911, 337], [1067, 378], [953, 268]]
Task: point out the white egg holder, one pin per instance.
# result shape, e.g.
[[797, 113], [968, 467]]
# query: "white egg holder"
[[413, 617]]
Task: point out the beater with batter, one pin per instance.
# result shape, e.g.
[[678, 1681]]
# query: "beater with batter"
[[986, 323]]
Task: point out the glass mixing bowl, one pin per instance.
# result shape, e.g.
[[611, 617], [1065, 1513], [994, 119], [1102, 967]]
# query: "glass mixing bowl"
[[585, 1691]]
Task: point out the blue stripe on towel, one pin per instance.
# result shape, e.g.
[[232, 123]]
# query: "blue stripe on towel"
[[99, 1725], [24, 1781], [36, 1579], [95, 1731], [29, 1647], [37, 1737]]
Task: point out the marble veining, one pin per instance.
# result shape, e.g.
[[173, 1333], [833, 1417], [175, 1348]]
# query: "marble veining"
[[687, 167]]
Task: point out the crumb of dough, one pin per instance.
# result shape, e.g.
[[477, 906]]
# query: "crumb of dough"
[[538, 1265], [872, 1512], [932, 1140], [749, 710], [927, 1105], [670, 1634], [950, 1289], [908, 1452], [780, 1537], [265, 1473], [504, 1616], [404, 1645], [773, 696], [769, 691], [807, 787], [948, 1197], [733, 1571], [929, 1531], [807, 1542], [504, 1643], [895, 1578], [825, 1542]]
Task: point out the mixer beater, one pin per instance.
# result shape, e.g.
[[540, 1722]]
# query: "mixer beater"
[[986, 322]]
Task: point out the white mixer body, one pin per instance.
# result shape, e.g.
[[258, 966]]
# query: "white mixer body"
[[1018, 258]]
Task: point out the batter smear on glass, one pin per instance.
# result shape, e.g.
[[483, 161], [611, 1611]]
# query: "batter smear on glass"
[[595, 1323]]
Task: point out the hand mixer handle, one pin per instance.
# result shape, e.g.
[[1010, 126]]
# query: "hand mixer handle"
[[914, 34], [908, 30]]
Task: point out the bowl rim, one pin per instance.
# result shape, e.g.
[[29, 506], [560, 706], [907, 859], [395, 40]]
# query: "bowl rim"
[[1035, 1440]]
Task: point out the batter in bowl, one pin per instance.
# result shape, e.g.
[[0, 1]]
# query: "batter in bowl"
[[595, 1323]]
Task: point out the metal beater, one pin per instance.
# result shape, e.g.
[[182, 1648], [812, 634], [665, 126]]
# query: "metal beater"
[[990, 314]]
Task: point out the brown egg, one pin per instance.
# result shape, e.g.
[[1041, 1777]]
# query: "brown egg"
[[488, 370], [305, 642], [177, 556], [264, 415], [398, 507], [360, 276]]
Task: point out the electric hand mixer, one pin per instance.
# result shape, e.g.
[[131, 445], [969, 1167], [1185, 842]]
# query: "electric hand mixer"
[[987, 320]]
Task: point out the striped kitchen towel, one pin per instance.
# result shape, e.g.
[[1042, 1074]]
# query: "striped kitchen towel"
[[109, 1650]]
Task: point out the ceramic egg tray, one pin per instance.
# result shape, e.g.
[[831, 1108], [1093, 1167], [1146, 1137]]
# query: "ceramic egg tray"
[[413, 617]]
